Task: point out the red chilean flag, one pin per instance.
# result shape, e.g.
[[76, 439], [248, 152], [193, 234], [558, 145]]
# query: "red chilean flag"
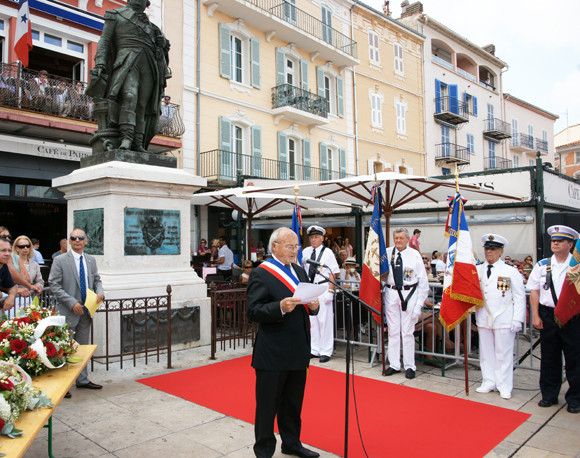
[[462, 292], [23, 35], [569, 301]]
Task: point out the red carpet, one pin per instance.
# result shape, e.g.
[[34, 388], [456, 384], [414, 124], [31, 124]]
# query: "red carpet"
[[396, 421]]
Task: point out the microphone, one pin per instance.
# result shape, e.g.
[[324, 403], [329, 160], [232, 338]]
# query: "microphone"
[[315, 264]]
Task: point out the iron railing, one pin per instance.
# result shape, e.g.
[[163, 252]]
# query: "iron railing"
[[25, 89], [523, 140], [496, 125], [309, 24], [542, 145], [486, 85], [287, 95], [220, 165], [496, 163], [451, 105], [452, 151]]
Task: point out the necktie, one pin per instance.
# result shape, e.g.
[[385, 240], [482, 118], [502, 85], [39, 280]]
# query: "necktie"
[[489, 267], [312, 269], [399, 272], [82, 279]]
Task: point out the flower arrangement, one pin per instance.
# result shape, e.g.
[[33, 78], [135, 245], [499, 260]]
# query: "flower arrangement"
[[36, 339], [16, 396]]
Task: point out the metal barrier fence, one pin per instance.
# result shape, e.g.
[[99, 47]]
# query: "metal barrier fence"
[[229, 319]]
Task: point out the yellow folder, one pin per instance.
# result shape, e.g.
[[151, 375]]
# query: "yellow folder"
[[91, 302]]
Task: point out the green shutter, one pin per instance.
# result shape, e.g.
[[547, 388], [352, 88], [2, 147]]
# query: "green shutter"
[[225, 51], [280, 68], [283, 155], [340, 97], [256, 151], [342, 159], [320, 81], [323, 161], [304, 73], [306, 159], [226, 157], [255, 51]]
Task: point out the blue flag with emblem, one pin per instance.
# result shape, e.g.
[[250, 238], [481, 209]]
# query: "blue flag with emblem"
[[297, 229]]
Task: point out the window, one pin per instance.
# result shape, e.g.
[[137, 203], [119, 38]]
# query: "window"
[[491, 158], [490, 111], [326, 24], [399, 64], [294, 155], [446, 171], [76, 47], [290, 11], [4, 189], [52, 40], [290, 71], [401, 117], [471, 143], [445, 146], [577, 157], [331, 87], [1, 24], [545, 135], [532, 162], [236, 55], [291, 68], [36, 35], [374, 54], [332, 160], [471, 104], [530, 130], [239, 56], [515, 139], [240, 146], [516, 161], [376, 110]]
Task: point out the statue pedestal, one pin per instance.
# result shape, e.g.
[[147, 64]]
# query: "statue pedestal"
[[127, 195]]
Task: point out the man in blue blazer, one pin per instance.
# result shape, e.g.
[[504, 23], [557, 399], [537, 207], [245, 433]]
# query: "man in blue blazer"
[[70, 276]]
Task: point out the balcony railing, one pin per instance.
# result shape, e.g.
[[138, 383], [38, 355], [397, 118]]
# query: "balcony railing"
[[451, 110], [467, 75], [440, 61], [448, 153], [308, 24], [496, 163], [486, 85], [522, 141], [220, 165], [496, 129], [542, 145], [24, 89], [287, 95]]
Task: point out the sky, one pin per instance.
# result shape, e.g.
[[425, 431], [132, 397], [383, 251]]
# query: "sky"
[[539, 41]]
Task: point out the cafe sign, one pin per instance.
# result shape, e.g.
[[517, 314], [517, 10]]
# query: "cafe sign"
[[40, 148]]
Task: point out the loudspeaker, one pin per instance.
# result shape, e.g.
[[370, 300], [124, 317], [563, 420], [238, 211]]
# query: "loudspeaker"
[[570, 219]]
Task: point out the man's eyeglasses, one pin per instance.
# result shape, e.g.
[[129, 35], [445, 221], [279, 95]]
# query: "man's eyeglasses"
[[424, 258], [79, 237], [23, 246], [248, 267], [292, 247]]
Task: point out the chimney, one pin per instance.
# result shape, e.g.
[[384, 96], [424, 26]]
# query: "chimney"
[[409, 10], [386, 9], [490, 49]]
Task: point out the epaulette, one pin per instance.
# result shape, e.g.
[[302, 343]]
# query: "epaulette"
[[111, 14], [543, 262]]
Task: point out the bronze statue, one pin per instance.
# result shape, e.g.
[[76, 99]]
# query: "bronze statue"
[[129, 78]]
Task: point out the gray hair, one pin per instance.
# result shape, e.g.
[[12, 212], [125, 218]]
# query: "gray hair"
[[401, 229], [276, 235]]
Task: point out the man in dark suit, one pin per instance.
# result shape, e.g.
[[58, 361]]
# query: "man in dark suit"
[[282, 348], [70, 276]]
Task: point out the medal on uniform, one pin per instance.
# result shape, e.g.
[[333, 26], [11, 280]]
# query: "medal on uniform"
[[546, 286]]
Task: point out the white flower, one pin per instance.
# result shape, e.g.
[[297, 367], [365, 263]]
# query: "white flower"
[[4, 409]]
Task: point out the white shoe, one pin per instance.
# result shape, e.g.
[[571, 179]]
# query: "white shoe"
[[485, 389], [505, 394]]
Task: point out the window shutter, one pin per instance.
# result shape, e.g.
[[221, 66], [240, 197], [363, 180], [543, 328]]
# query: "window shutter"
[[437, 96], [306, 160], [225, 51], [304, 73], [283, 155], [255, 51], [373, 108], [257, 151], [342, 160], [320, 81], [340, 96], [280, 71], [474, 106], [453, 105], [226, 170], [399, 126], [409, 170], [323, 161]]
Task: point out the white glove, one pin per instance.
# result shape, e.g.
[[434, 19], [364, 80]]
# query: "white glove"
[[415, 315], [327, 298], [516, 327]]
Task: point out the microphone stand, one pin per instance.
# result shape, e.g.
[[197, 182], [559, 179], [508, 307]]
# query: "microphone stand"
[[354, 298]]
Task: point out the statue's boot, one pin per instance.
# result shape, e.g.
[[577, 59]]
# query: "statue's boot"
[[138, 143], [127, 135]]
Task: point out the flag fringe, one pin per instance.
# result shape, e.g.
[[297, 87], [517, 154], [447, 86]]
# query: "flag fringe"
[[470, 300], [456, 323]]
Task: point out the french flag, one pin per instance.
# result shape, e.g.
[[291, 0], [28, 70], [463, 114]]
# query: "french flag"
[[23, 35], [297, 229], [375, 267], [461, 289]]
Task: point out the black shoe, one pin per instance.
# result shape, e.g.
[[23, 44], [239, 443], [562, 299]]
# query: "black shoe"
[[68, 395], [313, 356], [299, 451], [324, 359], [391, 371], [573, 409], [90, 386], [410, 373], [546, 403]]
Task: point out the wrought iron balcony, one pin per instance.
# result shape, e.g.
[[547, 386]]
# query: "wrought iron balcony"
[[298, 105], [522, 143], [224, 167], [24, 89], [542, 145], [450, 110], [450, 153], [496, 129], [286, 22], [496, 163]]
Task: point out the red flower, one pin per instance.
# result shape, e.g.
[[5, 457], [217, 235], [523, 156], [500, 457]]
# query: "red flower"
[[1, 352], [36, 316], [5, 334], [25, 320], [50, 349], [30, 354], [2, 424], [18, 345], [6, 385]]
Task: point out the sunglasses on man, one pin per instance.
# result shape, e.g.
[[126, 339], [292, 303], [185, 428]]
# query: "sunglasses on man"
[[79, 237]]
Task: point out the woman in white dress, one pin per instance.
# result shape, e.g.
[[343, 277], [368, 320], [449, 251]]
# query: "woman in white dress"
[[23, 260]]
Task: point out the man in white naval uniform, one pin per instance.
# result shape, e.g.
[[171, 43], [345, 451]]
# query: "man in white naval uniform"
[[546, 280], [406, 290], [500, 318], [321, 325]]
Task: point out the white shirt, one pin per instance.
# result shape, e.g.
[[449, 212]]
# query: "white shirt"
[[439, 266], [226, 253], [327, 259], [38, 257], [77, 258], [537, 279]]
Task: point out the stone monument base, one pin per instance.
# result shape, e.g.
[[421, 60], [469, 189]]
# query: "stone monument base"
[[132, 157]]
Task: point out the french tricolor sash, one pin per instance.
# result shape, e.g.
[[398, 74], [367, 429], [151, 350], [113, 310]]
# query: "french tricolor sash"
[[282, 273]]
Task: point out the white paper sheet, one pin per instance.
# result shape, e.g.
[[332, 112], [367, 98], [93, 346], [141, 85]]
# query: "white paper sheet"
[[309, 292]]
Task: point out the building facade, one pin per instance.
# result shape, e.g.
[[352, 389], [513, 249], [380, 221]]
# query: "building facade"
[[567, 158]]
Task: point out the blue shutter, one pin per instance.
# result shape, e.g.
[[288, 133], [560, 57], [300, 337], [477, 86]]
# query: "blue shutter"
[[474, 106], [342, 160], [304, 73], [320, 81], [340, 97], [280, 71], [453, 105], [256, 151], [255, 51], [225, 51], [225, 148], [437, 96], [283, 155], [465, 97], [306, 159], [323, 161]]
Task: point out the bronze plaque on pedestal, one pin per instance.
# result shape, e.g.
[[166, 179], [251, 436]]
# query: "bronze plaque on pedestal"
[[152, 232], [92, 222]]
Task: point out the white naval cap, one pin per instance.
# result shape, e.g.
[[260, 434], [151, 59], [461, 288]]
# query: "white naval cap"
[[313, 230], [494, 241], [562, 233]]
